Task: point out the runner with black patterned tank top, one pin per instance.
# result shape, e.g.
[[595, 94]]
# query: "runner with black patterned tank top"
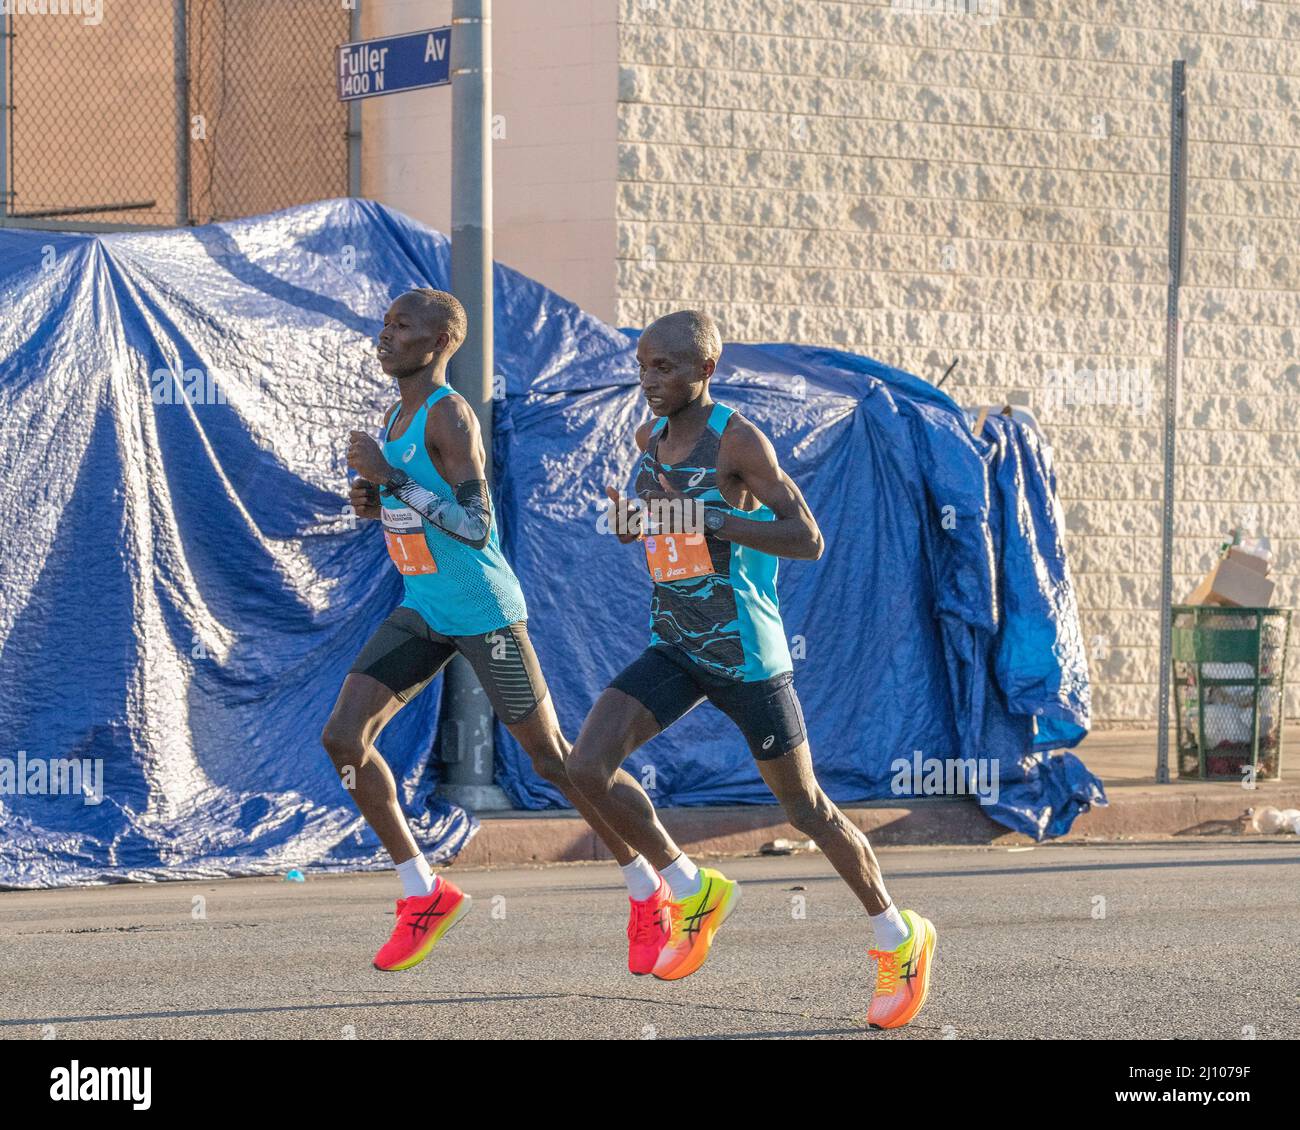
[[715, 513], [427, 484]]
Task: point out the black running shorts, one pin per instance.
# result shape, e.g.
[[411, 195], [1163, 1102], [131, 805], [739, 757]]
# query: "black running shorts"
[[405, 654], [669, 684]]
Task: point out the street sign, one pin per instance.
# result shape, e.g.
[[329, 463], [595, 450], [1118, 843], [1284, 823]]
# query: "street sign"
[[394, 63]]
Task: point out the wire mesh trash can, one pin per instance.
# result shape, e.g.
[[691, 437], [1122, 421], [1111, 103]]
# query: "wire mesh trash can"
[[1229, 674]]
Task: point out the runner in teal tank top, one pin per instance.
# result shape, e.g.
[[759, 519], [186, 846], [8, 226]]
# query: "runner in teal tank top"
[[427, 484], [714, 600], [458, 582], [714, 511]]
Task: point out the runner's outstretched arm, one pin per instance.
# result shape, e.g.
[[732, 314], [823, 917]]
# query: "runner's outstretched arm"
[[451, 434], [794, 533], [467, 517]]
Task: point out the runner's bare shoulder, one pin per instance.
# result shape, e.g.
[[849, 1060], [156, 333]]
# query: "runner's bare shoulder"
[[450, 415], [742, 439]]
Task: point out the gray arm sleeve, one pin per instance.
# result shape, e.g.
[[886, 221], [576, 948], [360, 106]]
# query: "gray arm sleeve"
[[467, 518]]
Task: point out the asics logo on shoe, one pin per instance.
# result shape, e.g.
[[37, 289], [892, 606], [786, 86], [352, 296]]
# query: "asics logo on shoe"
[[420, 922], [693, 920]]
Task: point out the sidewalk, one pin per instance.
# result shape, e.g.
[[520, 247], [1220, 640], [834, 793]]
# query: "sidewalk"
[[1123, 759]]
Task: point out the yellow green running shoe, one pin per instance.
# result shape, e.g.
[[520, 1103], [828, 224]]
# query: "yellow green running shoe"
[[694, 922], [903, 975]]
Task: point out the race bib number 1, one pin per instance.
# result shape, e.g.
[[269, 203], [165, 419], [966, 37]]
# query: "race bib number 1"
[[677, 557], [404, 536]]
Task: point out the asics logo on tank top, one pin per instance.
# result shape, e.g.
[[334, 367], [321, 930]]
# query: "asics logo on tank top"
[[408, 454], [694, 480]]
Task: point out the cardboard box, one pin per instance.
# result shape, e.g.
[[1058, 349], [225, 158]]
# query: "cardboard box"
[[1249, 560], [1234, 583]]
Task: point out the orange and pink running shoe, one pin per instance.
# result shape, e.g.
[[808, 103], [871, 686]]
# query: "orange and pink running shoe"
[[422, 920], [648, 928], [695, 920], [903, 975]]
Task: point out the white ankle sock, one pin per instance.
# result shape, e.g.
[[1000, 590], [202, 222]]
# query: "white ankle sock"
[[416, 876], [889, 927], [682, 877], [642, 880]]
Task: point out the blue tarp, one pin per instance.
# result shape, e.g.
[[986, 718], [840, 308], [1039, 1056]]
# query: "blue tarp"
[[182, 591]]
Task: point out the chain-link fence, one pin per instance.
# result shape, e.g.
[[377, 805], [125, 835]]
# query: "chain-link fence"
[[160, 112]]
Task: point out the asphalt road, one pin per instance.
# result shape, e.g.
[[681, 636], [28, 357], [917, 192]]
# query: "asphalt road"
[[1190, 940]]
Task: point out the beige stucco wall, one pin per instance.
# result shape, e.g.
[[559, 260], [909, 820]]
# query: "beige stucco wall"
[[554, 96], [919, 187]]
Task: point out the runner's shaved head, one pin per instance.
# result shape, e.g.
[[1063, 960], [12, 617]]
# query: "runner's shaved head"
[[690, 332], [443, 311]]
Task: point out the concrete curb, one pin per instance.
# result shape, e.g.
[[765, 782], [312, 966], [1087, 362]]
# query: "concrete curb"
[[1144, 808], [1137, 809]]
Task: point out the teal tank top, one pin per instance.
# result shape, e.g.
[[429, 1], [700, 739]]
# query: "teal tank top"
[[457, 589], [714, 601]]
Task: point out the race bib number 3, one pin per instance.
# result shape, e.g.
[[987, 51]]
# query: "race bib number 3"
[[677, 557], [404, 536]]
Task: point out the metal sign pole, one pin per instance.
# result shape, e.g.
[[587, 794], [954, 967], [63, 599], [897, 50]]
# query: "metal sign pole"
[[180, 52], [354, 113], [5, 40], [1173, 376], [467, 746], [471, 203]]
